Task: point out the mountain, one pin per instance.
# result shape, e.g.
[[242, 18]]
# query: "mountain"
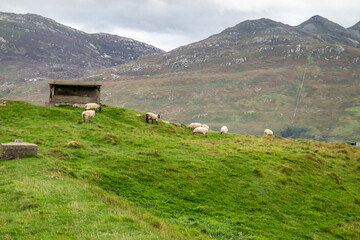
[[38, 47], [329, 31], [261, 40], [236, 44], [355, 29], [258, 74]]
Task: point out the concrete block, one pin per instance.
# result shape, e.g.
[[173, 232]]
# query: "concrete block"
[[14, 150]]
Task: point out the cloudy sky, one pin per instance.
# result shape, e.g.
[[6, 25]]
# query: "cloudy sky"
[[168, 24]]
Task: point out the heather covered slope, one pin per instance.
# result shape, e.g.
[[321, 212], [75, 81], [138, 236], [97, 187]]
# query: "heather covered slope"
[[33, 47], [171, 183]]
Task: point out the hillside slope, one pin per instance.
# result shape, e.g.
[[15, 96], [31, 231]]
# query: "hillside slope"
[[258, 74], [197, 188], [33, 47]]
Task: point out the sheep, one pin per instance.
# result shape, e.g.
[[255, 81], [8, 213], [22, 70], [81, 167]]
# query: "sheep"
[[224, 129], [204, 125], [194, 125], [94, 106], [268, 132], [89, 114], [78, 105], [152, 117], [202, 130]]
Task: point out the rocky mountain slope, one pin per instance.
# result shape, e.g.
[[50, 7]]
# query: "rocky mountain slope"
[[262, 40], [32, 46], [330, 32], [258, 74], [355, 29]]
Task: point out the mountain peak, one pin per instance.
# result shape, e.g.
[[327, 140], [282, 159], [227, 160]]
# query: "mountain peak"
[[318, 18], [329, 31], [318, 23], [257, 24]]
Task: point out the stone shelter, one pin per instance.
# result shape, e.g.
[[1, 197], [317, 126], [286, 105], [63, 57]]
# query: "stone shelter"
[[71, 92]]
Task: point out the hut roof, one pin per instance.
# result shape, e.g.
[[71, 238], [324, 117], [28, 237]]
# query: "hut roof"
[[74, 83]]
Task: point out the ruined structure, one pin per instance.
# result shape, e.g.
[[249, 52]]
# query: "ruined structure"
[[71, 92], [17, 149]]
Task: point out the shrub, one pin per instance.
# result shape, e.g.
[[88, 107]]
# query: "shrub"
[[293, 131]]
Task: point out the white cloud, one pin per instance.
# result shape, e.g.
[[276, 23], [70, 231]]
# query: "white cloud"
[[165, 41]]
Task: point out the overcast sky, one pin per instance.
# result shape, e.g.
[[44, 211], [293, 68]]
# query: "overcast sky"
[[168, 24]]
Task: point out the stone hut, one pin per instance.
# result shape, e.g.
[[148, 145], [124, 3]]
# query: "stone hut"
[[71, 92]]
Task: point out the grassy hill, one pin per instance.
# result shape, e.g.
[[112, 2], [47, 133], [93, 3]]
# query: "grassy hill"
[[125, 179]]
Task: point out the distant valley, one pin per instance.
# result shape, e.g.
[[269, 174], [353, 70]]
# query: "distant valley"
[[300, 81]]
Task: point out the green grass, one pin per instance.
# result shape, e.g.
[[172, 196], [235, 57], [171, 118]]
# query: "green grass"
[[125, 179], [355, 110], [40, 203]]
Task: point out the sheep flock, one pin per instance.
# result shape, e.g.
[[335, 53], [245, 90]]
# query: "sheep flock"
[[198, 128]]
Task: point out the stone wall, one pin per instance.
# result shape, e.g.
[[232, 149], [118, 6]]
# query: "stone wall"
[[14, 150]]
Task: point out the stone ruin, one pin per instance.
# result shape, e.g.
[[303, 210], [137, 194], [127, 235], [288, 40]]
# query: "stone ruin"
[[17, 149]]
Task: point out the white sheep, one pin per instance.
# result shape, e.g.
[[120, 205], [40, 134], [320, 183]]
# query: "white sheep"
[[202, 130], [152, 117], [94, 106], [204, 125], [194, 125], [268, 132], [224, 129], [89, 114], [78, 105]]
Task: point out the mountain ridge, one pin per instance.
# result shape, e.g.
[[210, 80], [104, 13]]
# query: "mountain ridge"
[[329, 31], [59, 51]]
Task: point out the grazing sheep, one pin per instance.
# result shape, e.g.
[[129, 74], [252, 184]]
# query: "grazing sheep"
[[78, 105], [194, 125], [3, 103], [94, 106], [268, 132], [202, 130], [204, 125], [152, 117], [89, 114], [224, 129]]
